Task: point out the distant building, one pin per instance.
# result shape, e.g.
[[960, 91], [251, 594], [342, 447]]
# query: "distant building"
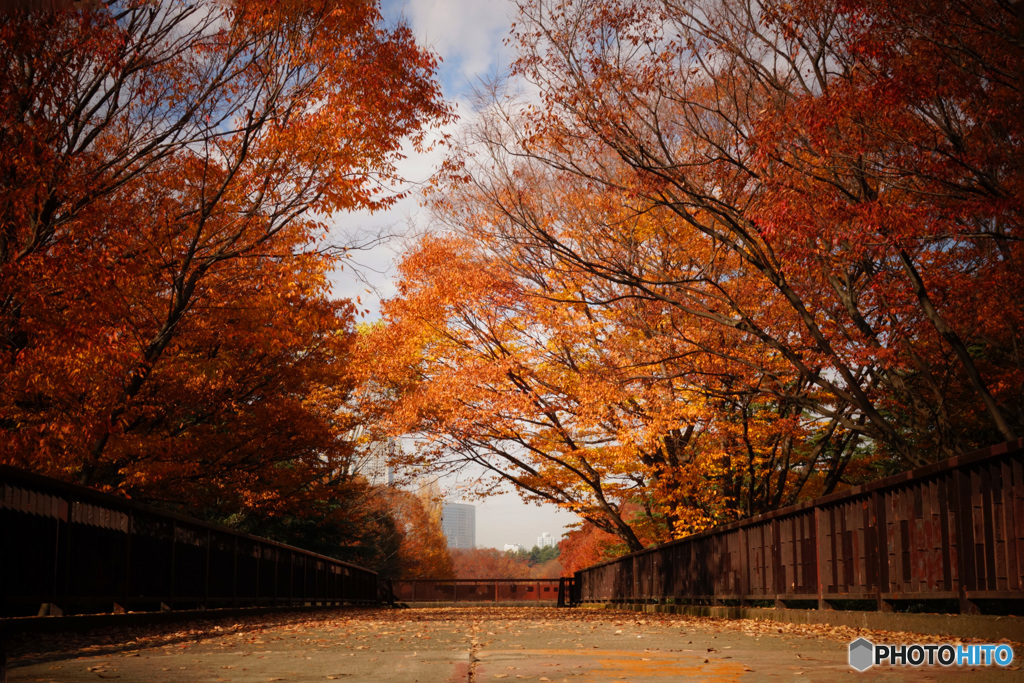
[[373, 459], [546, 541], [458, 521], [513, 547]]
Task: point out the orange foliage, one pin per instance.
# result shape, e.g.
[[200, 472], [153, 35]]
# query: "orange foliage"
[[488, 563], [168, 168], [422, 549], [552, 569], [731, 258], [586, 546], [845, 162]]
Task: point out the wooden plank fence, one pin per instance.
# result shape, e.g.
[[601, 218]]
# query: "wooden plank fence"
[[950, 531], [69, 549]]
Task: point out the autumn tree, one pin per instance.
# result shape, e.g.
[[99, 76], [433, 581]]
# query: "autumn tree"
[[863, 171], [536, 555], [488, 563], [543, 563], [586, 404], [470, 369], [585, 546], [735, 254], [170, 172], [420, 547]]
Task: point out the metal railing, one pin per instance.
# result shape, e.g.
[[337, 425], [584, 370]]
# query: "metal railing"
[[951, 531], [69, 549], [517, 591]]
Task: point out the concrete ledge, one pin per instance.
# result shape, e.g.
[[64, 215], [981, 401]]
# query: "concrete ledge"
[[486, 603], [990, 628]]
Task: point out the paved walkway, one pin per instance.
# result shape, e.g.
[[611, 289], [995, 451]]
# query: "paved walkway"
[[470, 645]]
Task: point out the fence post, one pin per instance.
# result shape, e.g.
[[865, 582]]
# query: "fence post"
[[259, 561], [234, 574], [206, 583], [634, 597], [714, 562], [128, 561], [966, 575], [174, 565], [64, 598], [277, 572], [882, 547], [56, 562], [778, 571], [744, 567], [819, 557], [305, 579]]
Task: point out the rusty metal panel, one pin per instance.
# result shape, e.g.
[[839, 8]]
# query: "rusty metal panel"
[[527, 590], [476, 590], [436, 592]]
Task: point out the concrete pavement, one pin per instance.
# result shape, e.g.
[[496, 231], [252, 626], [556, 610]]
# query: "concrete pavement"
[[470, 645]]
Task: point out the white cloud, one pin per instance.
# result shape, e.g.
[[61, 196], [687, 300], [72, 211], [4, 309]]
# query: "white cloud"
[[468, 34], [375, 269]]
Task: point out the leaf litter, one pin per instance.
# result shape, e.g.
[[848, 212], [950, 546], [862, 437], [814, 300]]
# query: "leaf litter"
[[353, 628]]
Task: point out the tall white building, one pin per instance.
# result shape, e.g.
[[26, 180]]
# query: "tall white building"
[[546, 541], [458, 521], [373, 459]]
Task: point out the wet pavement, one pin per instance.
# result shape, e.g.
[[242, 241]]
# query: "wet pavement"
[[470, 645]]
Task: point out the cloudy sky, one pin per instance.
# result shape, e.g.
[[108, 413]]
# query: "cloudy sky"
[[469, 37]]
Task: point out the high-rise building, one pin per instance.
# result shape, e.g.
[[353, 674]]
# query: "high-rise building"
[[546, 541], [458, 521], [373, 459]]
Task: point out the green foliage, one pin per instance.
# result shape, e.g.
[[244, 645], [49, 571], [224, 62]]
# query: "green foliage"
[[536, 555]]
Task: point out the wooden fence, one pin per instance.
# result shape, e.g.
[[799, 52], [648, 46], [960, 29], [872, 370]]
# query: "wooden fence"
[[949, 531], [69, 549], [952, 531]]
